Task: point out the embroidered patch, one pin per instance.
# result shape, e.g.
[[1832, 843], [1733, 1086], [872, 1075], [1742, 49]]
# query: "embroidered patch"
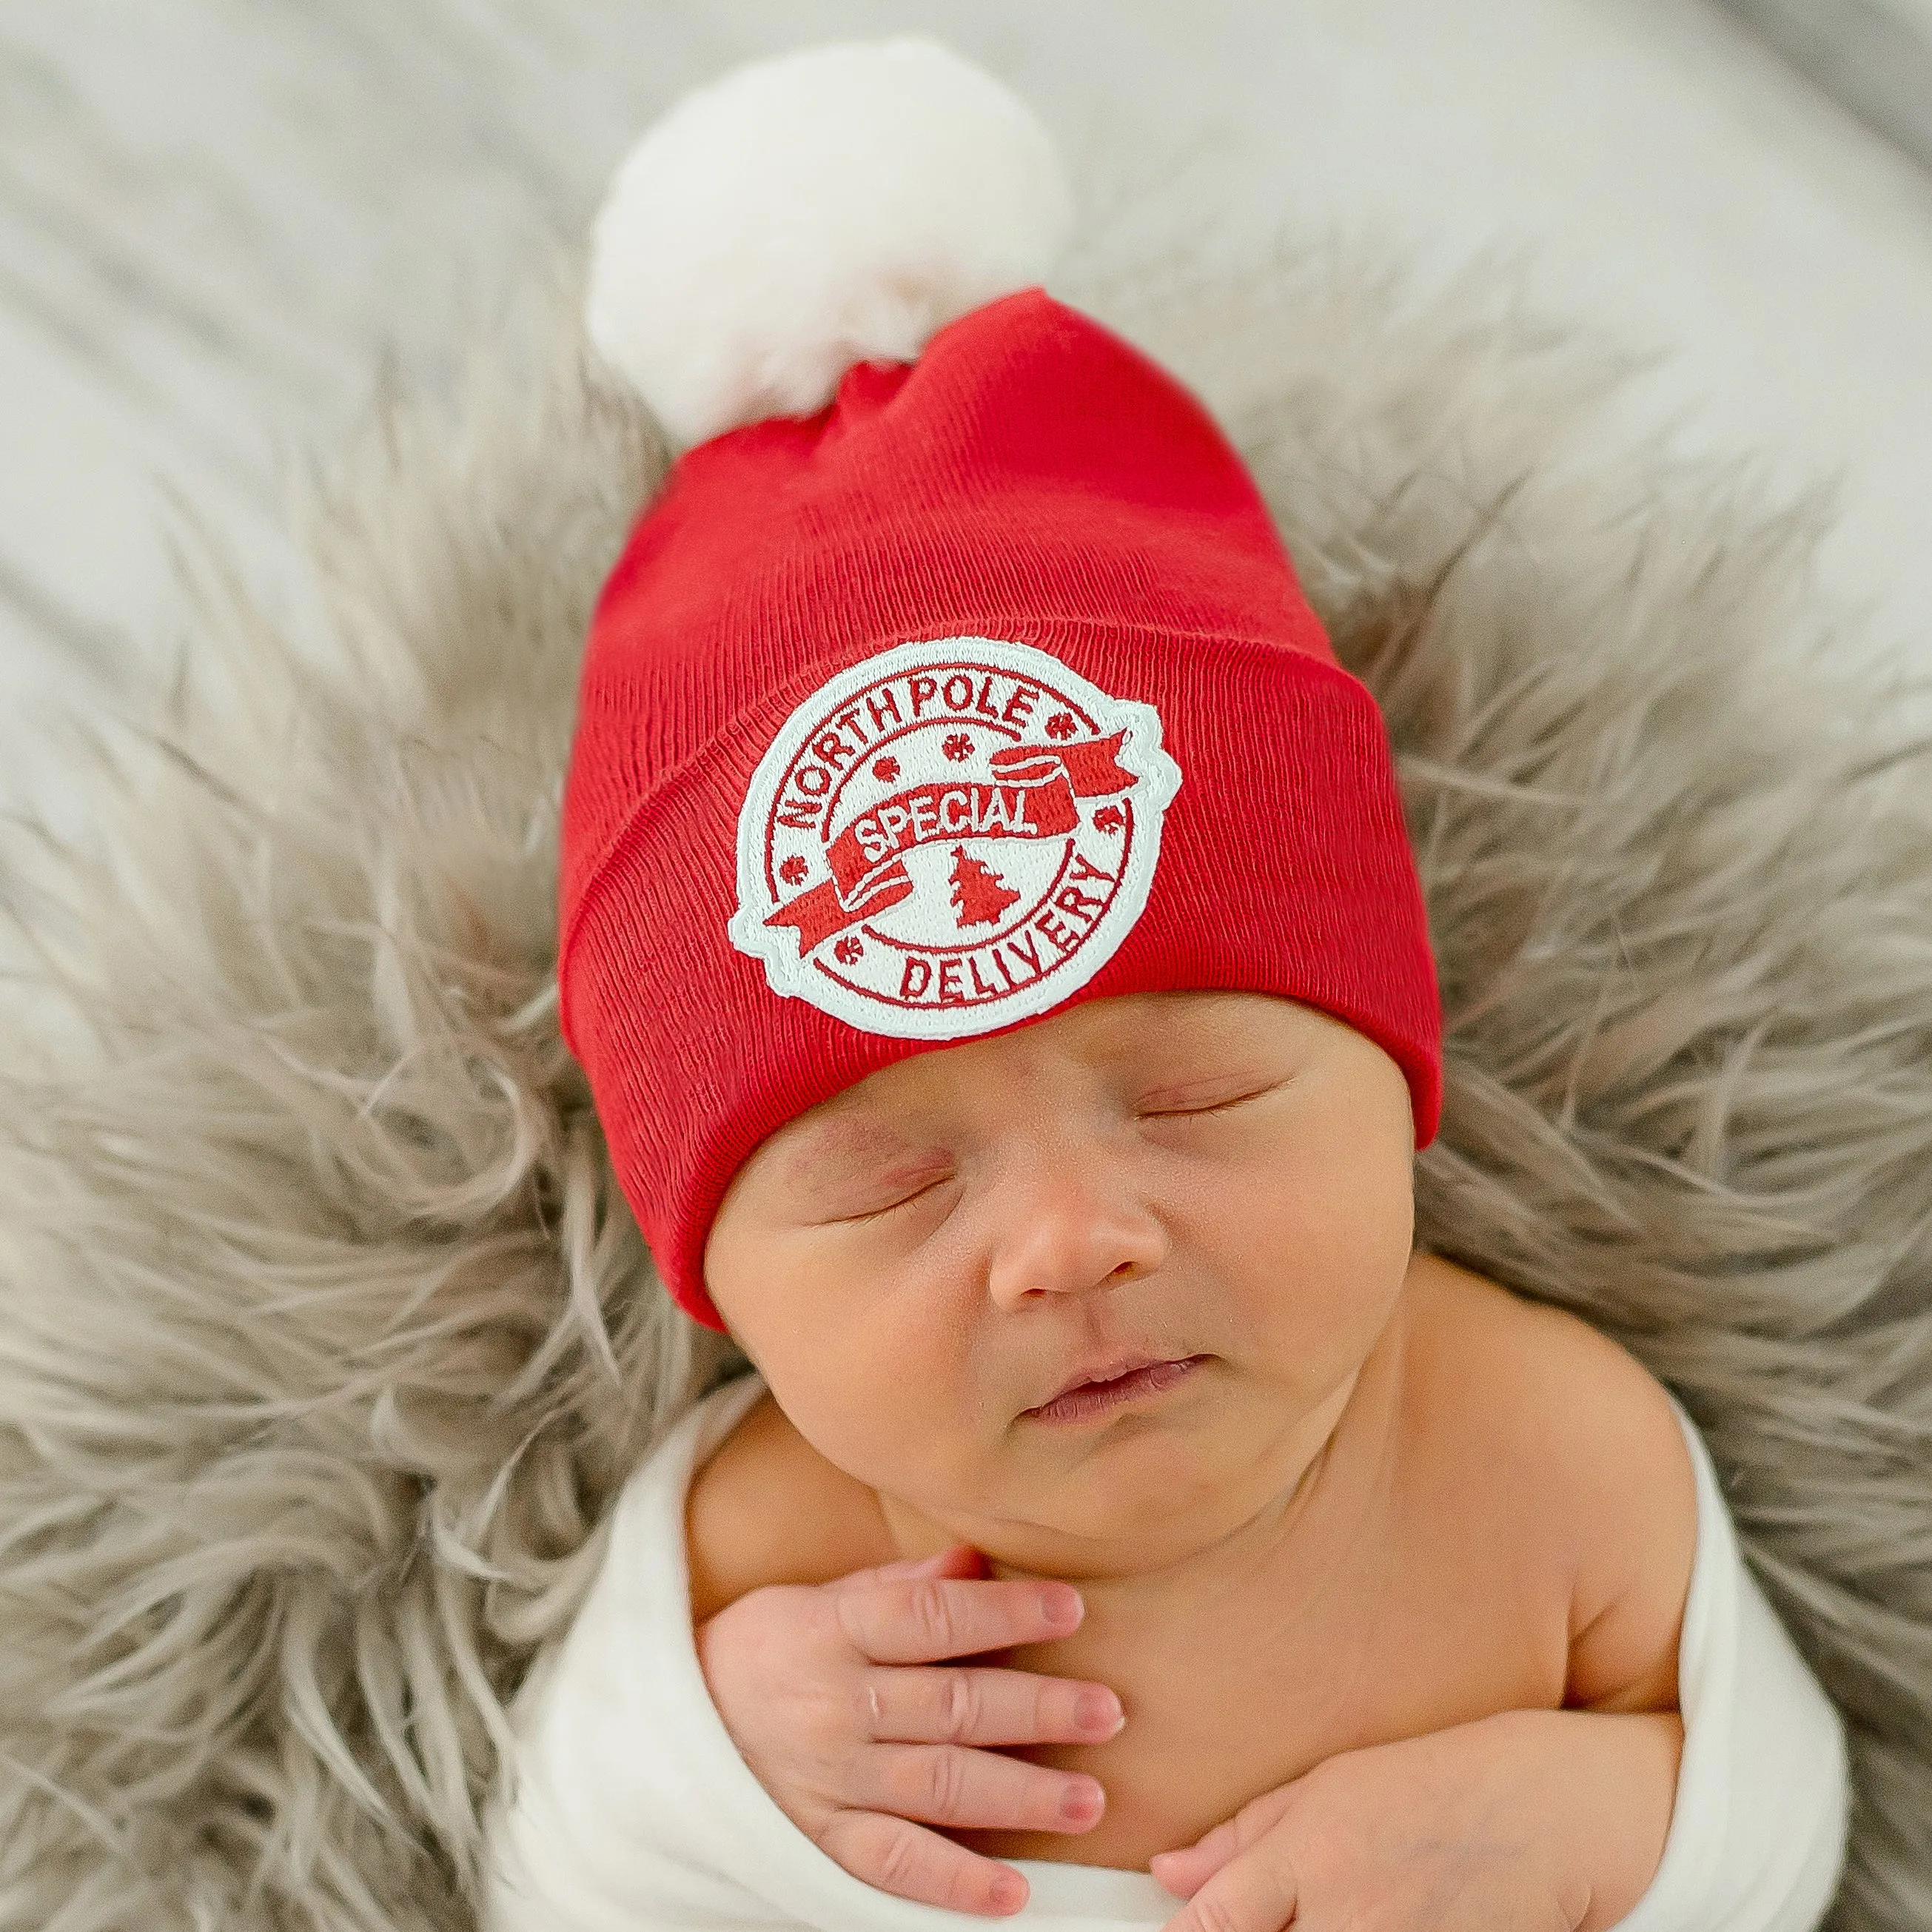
[[950, 837]]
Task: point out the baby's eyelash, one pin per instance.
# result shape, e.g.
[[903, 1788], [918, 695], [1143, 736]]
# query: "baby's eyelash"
[[1219, 1107], [903, 1201]]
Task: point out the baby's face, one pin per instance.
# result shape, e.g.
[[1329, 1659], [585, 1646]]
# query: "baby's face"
[[918, 1266]]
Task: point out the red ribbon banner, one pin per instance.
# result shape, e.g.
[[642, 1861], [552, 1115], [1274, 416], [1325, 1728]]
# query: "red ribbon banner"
[[1031, 797]]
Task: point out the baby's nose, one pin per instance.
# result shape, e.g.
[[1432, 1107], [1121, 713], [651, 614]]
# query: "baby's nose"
[[1078, 1227]]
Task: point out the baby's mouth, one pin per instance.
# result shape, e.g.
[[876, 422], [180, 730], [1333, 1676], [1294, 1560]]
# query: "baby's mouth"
[[1138, 1380]]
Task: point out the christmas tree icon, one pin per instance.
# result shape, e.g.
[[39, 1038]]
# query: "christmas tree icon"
[[979, 895]]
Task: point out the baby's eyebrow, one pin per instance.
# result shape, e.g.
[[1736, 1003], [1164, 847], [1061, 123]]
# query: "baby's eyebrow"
[[840, 1143], [1210, 1009], [1181, 1033]]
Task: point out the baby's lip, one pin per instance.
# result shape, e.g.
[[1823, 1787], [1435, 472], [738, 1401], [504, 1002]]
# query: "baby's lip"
[[1107, 1368]]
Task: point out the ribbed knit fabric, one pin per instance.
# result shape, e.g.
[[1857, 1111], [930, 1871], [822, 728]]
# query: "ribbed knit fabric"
[[1031, 479]]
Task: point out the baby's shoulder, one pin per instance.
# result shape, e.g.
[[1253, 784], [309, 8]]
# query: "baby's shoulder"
[[1548, 1411], [1532, 1361], [767, 1508]]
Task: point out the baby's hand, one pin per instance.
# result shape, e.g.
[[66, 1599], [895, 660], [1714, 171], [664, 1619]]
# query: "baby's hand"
[[1531, 1821], [814, 1685]]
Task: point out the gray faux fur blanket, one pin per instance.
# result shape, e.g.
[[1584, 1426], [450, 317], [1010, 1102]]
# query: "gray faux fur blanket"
[[326, 1337]]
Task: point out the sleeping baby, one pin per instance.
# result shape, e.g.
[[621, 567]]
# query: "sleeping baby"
[[989, 930], [1128, 1298]]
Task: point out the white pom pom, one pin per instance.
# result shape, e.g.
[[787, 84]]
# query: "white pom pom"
[[828, 207]]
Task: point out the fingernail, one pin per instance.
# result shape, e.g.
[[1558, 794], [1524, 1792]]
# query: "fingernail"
[[1082, 1802], [1099, 1711], [1009, 1893], [1060, 1606]]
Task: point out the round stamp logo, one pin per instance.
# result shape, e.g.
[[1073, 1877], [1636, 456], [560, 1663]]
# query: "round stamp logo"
[[949, 837]]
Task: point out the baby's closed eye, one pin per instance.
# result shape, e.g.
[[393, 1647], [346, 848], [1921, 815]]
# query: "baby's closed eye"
[[1193, 1098], [893, 1192]]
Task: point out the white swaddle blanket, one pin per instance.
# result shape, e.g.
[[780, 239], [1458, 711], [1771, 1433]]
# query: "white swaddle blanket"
[[629, 1810]]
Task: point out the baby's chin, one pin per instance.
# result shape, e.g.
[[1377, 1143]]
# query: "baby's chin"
[[1126, 1496]]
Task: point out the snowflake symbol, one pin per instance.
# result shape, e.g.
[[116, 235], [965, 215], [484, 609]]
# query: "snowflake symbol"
[[1060, 725], [886, 769], [958, 746], [848, 952], [1108, 818], [793, 870]]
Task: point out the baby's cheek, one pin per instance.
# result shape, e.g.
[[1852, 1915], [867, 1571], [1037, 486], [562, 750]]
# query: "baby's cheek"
[[877, 1398], [1320, 1286]]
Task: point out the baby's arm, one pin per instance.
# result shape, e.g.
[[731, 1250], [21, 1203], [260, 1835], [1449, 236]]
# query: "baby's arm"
[[1637, 1493], [1738, 1823], [1559, 1813], [623, 1805], [1628, 1473]]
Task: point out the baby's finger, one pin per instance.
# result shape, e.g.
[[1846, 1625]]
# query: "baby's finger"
[[947, 1784], [1183, 1871], [899, 1857], [983, 1705], [1256, 1893], [922, 1619]]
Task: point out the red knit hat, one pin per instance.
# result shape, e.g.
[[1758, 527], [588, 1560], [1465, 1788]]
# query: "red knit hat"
[[983, 687]]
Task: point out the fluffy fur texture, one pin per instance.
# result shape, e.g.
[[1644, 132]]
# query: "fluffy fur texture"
[[805, 213], [326, 1338]]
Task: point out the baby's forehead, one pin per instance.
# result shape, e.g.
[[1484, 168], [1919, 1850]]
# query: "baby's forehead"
[[1151, 1028]]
